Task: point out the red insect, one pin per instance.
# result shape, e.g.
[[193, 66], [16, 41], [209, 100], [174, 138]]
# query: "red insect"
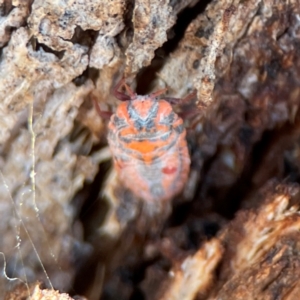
[[148, 144]]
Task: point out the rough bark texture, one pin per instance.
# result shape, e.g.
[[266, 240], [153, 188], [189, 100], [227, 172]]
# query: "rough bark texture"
[[66, 220]]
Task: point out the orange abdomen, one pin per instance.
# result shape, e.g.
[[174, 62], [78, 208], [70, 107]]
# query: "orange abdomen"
[[149, 148]]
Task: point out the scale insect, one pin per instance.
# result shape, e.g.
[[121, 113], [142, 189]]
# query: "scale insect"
[[147, 140]]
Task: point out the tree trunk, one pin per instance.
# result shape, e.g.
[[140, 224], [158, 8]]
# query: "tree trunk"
[[66, 219]]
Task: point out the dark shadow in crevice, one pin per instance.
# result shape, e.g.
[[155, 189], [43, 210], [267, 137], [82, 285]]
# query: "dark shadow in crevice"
[[85, 38], [38, 46], [270, 140], [137, 295], [88, 73], [230, 204], [93, 211]]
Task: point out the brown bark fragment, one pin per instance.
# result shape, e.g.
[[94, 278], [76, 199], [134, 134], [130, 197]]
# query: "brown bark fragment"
[[195, 274], [54, 23], [261, 259], [35, 292], [151, 20]]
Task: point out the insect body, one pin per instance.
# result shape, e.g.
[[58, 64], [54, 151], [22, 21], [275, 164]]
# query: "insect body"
[[148, 143]]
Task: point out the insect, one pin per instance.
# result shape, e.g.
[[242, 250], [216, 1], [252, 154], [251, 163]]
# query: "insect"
[[147, 140]]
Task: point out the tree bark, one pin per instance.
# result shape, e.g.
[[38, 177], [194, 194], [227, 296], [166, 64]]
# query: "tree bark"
[[67, 221]]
